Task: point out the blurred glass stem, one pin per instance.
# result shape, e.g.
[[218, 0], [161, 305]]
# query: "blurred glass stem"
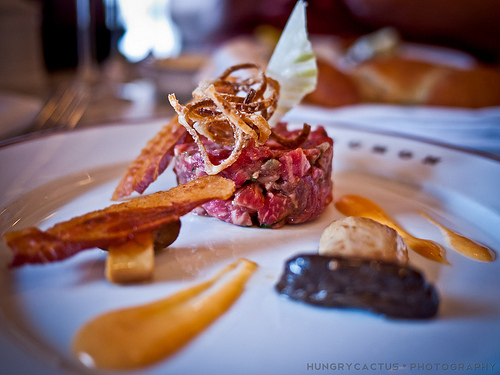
[[87, 65]]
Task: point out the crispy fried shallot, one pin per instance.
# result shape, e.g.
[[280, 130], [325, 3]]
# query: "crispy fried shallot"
[[230, 111], [294, 142], [115, 224]]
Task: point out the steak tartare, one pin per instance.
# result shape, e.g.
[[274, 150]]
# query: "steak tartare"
[[275, 185]]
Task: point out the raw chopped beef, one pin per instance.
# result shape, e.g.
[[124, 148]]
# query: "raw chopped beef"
[[275, 185]]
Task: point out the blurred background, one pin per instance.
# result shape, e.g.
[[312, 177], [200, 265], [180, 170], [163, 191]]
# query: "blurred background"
[[132, 53]]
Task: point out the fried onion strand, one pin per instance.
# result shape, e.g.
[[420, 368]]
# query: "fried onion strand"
[[230, 111]]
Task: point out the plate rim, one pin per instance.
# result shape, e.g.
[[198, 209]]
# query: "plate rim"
[[23, 139]]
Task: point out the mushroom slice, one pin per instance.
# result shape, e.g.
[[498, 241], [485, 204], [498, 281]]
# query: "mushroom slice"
[[361, 237]]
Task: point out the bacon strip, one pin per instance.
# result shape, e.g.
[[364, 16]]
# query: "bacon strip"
[[152, 161], [115, 224]]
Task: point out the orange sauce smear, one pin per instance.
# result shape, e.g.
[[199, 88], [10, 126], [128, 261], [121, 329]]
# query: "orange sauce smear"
[[355, 205], [462, 244], [138, 336]]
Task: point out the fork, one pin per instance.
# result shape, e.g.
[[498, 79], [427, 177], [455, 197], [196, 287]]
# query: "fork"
[[65, 108]]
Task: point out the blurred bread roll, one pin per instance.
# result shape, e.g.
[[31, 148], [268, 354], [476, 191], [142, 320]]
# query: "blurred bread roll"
[[475, 88], [396, 80], [401, 80], [334, 88]]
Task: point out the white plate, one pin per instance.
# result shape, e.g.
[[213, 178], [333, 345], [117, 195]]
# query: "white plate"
[[52, 178]]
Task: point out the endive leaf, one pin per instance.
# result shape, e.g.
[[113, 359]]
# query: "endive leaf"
[[293, 63]]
